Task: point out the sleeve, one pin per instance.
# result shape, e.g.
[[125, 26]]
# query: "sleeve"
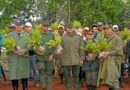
[[118, 50], [81, 51]]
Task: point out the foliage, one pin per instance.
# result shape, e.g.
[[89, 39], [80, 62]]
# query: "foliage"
[[55, 42], [125, 35], [36, 40], [9, 43], [54, 26], [92, 47], [86, 11], [102, 44], [76, 24], [14, 7], [4, 31]]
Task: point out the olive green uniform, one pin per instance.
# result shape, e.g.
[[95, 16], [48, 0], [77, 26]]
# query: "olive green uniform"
[[45, 67], [72, 54], [18, 65]]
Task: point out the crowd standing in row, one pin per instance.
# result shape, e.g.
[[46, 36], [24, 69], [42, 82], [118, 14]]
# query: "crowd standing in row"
[[73, 60]]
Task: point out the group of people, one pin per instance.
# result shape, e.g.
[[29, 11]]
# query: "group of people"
[[73, 60]]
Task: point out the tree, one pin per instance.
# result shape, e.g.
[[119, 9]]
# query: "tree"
[[14, 9]]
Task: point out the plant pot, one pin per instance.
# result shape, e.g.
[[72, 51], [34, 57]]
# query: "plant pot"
[[18, 48], [89, 57], [101, 54], [3, 49], [59, 49], [42, 48]]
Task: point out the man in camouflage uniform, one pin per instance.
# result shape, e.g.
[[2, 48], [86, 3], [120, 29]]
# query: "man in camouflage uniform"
[[45, 62], [109, 71], [72, 56]]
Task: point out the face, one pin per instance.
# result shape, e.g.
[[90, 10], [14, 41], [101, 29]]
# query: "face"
[[28, 29], [84, 32], [70, 29], [118, 33], [108, 32], [11, 29], [61, 31], [115, 29], [89, 37], [94, 29], [99, 27], [44, 28], [19, 27]]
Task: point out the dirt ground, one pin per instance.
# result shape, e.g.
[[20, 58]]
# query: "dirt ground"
[[6, 85]]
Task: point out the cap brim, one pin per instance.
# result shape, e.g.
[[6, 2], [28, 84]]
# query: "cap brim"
[[107, 27]]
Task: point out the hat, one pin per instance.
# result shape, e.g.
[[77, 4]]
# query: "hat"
[[115, 27], [11, 25], [86, 29], [100, 24], [107, 27], [90, 33], [18, 22], [44, 22], [60, 26], [68, 25], [28, 24]]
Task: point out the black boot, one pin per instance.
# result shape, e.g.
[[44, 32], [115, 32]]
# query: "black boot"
[[15, 84], [93, 87], [25, 84], [61, 78], [90, 87], [43, 88], [111, 89]]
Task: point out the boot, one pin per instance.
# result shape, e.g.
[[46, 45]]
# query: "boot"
[[111, 89], [93, 87], [61, 78], [15, 84], [15, 88], [43, 88], [25, 84], [90, 87], [115, 88]]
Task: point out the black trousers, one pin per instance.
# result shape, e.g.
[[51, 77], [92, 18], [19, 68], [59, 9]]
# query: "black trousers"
[[129, 65], [3, 74], [24, 83]]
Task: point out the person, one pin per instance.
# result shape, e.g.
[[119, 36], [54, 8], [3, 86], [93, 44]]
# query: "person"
[[45, 60], [72, 56], [109, 71], [115, 27], [96, 32], [82, 76], [32, 56], [128, 54], [84, 32], [91, 65], [118, 32], [58, 58], [100, 26], [12, 27], [1, 67], [18, 60]]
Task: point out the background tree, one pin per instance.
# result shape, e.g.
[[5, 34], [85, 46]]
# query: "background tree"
[[86, 11]]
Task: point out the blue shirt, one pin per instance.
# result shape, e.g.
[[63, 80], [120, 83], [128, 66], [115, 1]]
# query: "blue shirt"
[[1, 38]]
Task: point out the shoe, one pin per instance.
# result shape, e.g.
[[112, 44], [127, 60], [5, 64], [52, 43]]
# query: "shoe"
[[43, 88]]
